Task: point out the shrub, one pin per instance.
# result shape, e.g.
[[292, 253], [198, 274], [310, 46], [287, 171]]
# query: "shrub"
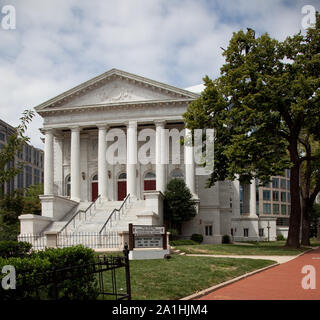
[[280, 237], [65, 264], [226, 239], [9, 249], [182, 242], [197, 237]]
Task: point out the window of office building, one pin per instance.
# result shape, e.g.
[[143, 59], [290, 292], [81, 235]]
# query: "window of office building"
[[275, 195], [288, 197], [283, 197], [275, 182], [283, 209], [267, 208], [28, 176], [36, 176], [283, 183], [21, 179], [2, 136], [266, 195], [288, 184], [276, 208]]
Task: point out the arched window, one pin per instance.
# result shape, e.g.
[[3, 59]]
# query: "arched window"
[[176, 174], [68, 186], [95, 178], [122, 176], [149, 181]]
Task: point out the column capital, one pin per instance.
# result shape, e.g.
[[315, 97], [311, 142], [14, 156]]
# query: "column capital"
[[131, 123], [75, 129], [46, 130], [103, 126], [160, 123]]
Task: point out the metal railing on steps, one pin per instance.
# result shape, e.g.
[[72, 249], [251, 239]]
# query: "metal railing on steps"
[[116, 214], [80, 215]]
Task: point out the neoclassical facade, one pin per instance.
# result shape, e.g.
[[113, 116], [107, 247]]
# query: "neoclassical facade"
[[116, 136]]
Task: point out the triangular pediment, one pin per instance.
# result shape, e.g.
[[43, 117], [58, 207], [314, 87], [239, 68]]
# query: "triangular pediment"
[[114, 87]]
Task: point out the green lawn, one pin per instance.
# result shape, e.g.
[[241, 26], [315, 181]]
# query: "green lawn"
[[180, 276], [275, 248]]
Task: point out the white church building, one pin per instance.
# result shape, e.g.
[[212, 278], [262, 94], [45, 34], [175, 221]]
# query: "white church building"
[[108, 159]]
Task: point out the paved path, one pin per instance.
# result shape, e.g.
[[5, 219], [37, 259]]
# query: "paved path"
[[282, 282], [279, 259]]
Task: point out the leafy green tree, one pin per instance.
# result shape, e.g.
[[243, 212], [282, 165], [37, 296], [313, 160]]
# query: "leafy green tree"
[[179, 206], [268, 92], [309, 182], [11, 207], [14, 145]]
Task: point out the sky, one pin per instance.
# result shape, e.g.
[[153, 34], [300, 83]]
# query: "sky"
[[58, 44]]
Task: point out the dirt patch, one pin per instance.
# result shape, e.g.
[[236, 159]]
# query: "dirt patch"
[[213, 267]]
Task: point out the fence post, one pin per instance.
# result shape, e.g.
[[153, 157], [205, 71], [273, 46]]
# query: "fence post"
[[52, 239], [127, 266]]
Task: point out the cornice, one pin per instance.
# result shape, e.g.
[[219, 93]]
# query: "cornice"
[[112, 106]]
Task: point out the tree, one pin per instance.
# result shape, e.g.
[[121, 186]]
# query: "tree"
[[309, 182], [178, 204], [15, 204], [14, 145], [314, 220], [268, 92]]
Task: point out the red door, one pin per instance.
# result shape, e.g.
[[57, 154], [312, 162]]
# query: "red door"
[[122, 190], [149, 185], [94, 190]]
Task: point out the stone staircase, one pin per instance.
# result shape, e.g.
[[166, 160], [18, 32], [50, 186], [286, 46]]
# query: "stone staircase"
[[93, 220]]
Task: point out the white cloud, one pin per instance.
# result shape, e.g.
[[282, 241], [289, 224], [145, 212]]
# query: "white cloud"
[[59, 44]]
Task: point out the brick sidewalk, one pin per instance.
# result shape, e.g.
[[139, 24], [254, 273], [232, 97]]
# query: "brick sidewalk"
[[282, 282]]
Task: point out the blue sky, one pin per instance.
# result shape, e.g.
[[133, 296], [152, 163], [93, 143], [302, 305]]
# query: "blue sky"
[[58, 44]]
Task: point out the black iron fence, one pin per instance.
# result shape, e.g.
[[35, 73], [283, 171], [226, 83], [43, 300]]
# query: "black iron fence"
[[99, 280]]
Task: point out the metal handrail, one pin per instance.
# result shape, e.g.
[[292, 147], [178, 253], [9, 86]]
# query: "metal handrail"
[[114, 212], [79, 213]]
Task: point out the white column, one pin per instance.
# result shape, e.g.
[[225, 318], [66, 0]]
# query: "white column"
[[189, 161], [161, 156], [253, 198], [48, 163], [58, 159], [236, 197], [75, 164], [132, 158], [102, 162]]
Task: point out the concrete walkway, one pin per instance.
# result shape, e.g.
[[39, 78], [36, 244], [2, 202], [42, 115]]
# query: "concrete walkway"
[[279, 259], [282, 282]]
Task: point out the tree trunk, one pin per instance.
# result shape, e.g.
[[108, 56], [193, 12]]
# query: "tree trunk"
[[295, 215], [305, 212]]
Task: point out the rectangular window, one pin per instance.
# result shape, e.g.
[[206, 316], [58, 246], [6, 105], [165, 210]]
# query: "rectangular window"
[[276, 208], [208, 230], [288, 197], [275, 183], [283, 197], [246, 232], [267, 208], [283, 183], [261, 232], [283, 209], [289, 210], [2, 136], [288, 184], [266, 195], [275, 195]]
